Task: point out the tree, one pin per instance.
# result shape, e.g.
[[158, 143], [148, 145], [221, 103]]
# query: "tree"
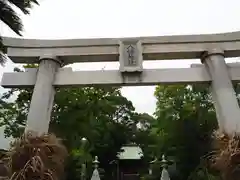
[[9, 17], [185, 122]]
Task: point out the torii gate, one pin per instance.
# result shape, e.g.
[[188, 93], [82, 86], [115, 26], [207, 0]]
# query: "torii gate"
[[130, 52]]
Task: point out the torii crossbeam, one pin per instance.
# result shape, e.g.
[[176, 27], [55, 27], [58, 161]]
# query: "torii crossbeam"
[[130, 52]]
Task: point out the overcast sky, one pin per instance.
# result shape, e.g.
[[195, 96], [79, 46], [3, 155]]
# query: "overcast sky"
[[55, 19]]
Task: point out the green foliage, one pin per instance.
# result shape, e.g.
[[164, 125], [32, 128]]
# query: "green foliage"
[[185, 121], [12, 19], [203, 172]]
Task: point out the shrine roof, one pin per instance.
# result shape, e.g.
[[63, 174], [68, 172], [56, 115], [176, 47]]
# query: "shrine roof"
[[130, 152]]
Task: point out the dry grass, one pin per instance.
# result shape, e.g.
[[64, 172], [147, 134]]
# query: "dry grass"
[[226, 157], [36, 158]]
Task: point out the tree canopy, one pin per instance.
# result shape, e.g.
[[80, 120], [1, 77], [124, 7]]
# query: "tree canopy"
[[9, 17], [185, 121]]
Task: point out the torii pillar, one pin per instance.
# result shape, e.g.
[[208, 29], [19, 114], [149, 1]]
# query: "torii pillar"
[[43, 96], [224, 96]]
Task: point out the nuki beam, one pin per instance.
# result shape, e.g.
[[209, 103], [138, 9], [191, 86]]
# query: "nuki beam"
[[108, 49], [66, 77]]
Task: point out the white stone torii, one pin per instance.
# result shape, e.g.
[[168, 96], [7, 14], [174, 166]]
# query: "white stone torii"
[[130, 52]]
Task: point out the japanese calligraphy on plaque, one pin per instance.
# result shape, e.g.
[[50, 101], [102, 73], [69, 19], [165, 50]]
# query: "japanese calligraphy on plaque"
[[130, 56], [130, 52]]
